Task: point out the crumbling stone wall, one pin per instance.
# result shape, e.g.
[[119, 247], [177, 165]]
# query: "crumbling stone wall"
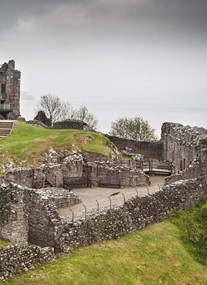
[[181, 144], [21, 176], [52, 172], [15, 259], [28, 215], [60, 197], [43, 218], [128, 177], [75, 166], [150, 150], [13, 216], [135, 214], [10, 90], [202, 150], [71, 124], [46, 228]]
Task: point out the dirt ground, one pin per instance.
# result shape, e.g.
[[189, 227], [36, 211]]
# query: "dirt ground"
[[96, 199]]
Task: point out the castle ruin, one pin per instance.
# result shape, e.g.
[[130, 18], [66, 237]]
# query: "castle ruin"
[[9, 91], [29, 207]]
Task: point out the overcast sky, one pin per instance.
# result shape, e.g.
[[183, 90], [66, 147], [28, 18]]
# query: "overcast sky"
[[118, 57]]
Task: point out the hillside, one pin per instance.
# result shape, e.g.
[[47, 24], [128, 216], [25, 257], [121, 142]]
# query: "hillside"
[[154, 255], [28, 145]]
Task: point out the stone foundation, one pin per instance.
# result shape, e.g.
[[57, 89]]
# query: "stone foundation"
[[54, 173], [128, 177], [15, 259]]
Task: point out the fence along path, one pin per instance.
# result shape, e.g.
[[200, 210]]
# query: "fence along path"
[[96, 200]]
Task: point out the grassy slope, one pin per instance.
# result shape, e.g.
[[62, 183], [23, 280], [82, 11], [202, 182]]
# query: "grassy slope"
[[3, 243], [154, 255], [27, 145]]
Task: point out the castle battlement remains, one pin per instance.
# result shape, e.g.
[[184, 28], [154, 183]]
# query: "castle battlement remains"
[[9, 91]]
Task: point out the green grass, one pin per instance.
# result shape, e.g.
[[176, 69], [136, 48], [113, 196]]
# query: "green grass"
[[152, 256], [193, 227], [4, 242], [27, 145]]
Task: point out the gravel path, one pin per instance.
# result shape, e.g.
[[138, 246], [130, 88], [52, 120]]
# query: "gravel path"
[[96, 199]]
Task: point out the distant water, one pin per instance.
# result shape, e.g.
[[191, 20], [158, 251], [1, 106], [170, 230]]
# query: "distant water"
[[156, 113]]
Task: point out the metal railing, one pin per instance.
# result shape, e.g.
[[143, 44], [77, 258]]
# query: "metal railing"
[[87, 210]]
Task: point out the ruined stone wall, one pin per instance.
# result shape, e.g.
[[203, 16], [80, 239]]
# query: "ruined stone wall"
[[196, 169], [74, 166], [10, 88], [181, 144], [202, 150], [28, 215], [150, 150], [39, 216], [54, 172], [128, 177], [135, 214], [15, 259], [60, 197], [71, 124], [13, 216], [22, 176], [42, 218]]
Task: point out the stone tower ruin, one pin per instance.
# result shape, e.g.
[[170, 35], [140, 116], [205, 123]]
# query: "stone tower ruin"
[[9, 91]]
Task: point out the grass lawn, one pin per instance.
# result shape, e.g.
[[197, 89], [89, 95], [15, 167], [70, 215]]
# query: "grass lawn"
[[27, 145], [152, 256], [3, 243]]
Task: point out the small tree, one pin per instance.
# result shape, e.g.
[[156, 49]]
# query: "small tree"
[[133, 128], [68, 112], [52, 106], [57, 110], [84, 115]]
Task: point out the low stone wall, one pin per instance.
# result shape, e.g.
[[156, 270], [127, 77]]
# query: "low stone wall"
[[196, 169], [150, 150], [42, 216], [135, 214], [14, 259], [13, 216], [128, 176], [60, 197], [28, 215], [21, 176], [53, 172], [75, 166], [71, 124]]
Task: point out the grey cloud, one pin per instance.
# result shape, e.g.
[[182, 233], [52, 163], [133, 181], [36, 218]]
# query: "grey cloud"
[[78, 19], [12, 11]]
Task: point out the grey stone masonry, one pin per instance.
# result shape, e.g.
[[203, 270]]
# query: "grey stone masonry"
[[15, 259], [29, 215], [9, 91], [186, 148], [150, 150], [136, 213], [13, 216]]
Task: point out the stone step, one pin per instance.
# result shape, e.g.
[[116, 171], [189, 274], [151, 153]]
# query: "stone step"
[[5, 128], [4, 124]]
